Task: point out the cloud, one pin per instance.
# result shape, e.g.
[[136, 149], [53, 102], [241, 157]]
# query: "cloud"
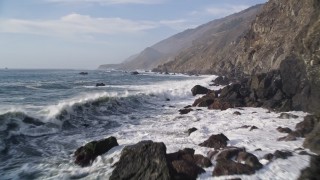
[[75, 24], [107, 2], [84, 28]]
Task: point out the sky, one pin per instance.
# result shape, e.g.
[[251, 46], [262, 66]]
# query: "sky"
[[83, 34]]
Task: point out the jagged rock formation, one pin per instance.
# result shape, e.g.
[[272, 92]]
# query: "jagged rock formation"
[[217, 33]]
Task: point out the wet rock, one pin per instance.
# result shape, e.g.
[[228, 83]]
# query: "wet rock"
[[253, 128], [268, 156], [313, 171], [100, 84], [249, 159], [144, 160], [134, 73], [221, 81], [202, 161], [306, 126], [229, 167], [215, 141], [199, 90], [304, 153], [224, 104], [259, 149], [191, 130], [284, 130], [282, 154], [229, 153], [312, 140], [289, 137], [211, 154], [185, 111], [186, 165], [83, 73], [87, 153], [186, 170], [205, 100], [288, 116], [167, 99], [189, 106], [244, 126], [237, 113]]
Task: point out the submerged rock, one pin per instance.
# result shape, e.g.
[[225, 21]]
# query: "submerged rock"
[[100, 84], [191, 130], [215, 141], [288, 116], [87, 153], [185, 111], [134, 73]]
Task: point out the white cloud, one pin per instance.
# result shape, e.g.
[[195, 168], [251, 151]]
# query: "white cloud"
[[75, 24], [227, 10], [83, 27], [107, 2]]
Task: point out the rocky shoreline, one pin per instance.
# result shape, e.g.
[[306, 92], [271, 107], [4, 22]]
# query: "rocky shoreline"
[[149, 160]]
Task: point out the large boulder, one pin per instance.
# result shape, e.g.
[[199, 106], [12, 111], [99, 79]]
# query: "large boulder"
[[197, 89], [144, 160], [87, 153], [215, 141], [221, 81]]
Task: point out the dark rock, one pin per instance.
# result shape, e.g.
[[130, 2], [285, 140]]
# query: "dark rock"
[[312, 140], [212, 154], [189, 106], [191, 130], [83, 73], [167, 99], [245, 126], [215, 141], [205, 100], [186, 165], [284, 130], [237, 113], [268, 156], [202, 161], [134, 73], [224, 104], [249, 159], [186, 170], [229, 153], [304, 153], [313, 171], [230, 91], [30, 120], [259, 149], [144, 160], [199, 90], [282, 154], [288, 116], [306, 126], [229, 167], [221, 80], [87, 153], [185, 111], [289, 137], [100, 84], [253, 128]]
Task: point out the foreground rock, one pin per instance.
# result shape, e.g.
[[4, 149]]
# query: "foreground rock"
[[229, 167], [148, 160], [87, 153], [312, 172], [221, 81], [215, 141], [312, 140], [144, 160]]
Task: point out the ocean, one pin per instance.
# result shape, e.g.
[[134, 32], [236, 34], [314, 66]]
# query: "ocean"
[[45, 115]]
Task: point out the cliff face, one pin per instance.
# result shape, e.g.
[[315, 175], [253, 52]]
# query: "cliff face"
[[217, 33], [285, 35]]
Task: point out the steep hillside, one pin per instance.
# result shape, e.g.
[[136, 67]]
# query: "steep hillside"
[[285, 36], [225, 30]]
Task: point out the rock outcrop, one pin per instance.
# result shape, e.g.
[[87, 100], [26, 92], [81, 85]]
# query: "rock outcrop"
[[87, 153]]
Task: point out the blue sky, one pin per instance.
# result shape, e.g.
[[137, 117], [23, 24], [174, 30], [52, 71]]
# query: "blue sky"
[[82, 34]]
